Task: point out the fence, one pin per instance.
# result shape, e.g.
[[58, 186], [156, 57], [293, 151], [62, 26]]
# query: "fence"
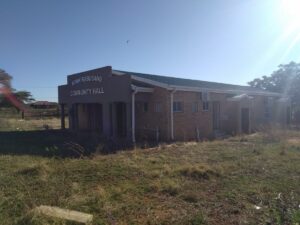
[[30, 113], [148, 134]]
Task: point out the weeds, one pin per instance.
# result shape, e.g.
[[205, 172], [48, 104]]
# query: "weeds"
[[201, 172], [213, 183], [198, 219], [170, 187]]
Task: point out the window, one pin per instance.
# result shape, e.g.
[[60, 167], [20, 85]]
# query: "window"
[[177, 107], [268, 107], [157, 107], [204, 96], [205, 106], [195, 107], [145, 107], [267, 113]]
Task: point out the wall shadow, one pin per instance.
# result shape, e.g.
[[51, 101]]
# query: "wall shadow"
[[46, 143], [57, 143]]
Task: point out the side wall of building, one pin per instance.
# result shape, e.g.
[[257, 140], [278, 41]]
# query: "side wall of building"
[[192, 122], [228, 113], [153, 115]]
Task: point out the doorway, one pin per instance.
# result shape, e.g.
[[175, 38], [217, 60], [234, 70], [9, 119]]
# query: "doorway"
[[216, 115], [89, 117], [121, 122], [245, 120], [288, 115]]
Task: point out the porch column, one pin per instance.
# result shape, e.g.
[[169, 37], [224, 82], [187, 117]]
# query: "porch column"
[[172, 113], [128, 120], [106, 119], [62, 116], [133, 115]]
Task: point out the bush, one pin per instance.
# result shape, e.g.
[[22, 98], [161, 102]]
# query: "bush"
[[190, 197], [170, 187], [198, 172], [198, 220]]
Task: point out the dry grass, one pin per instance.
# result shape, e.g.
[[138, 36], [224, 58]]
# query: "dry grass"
[[253, 179], [16, 124]]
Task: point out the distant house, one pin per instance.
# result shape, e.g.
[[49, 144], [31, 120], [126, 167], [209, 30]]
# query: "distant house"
[[129, 105], [44, 105]]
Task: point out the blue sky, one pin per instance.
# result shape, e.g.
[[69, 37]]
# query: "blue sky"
[[232, 41]]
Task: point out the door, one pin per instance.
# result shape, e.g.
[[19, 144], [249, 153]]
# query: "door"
[[288, 115], [121, 122], [245, 120], [216, 115], [94, 117]]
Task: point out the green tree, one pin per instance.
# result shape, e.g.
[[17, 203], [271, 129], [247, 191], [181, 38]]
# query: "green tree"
[[5, 79], [22, 97], [285, 80]]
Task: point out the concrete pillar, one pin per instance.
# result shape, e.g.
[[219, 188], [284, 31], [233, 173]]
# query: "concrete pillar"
[[106, 120], [62, 116], [172, 113], [70, 116], [133, 115], [113, 121], [128, 120], [75, 117]]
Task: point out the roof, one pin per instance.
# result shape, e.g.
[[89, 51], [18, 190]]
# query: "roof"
[[175, 81], [43, 103], [240, 97]]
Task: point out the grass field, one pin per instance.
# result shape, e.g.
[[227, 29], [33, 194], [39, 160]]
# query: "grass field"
[[243, 180], [18, 124]]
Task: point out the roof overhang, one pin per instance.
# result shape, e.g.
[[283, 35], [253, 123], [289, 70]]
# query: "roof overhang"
[[284, 100], [141, 89], [239, 98], [195, 89]]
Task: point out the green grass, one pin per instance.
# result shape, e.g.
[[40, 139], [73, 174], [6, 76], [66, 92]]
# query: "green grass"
[[218, 182]]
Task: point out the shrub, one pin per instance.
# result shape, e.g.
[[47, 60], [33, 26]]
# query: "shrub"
[[198, 172], [296, 217], [170, 187], [198, 219], [190, 197]]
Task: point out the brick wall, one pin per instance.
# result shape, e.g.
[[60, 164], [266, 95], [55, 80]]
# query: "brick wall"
[[189, 125], [148, 122], [187, 122], [228, 113]]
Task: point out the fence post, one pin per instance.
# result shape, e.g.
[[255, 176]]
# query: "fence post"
[[62, 116], [198, 135]]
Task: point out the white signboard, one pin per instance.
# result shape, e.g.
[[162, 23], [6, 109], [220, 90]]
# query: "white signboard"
[[89, 78], [87, 91]]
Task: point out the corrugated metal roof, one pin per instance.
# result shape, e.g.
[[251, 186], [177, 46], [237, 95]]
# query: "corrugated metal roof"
[[195, 83]]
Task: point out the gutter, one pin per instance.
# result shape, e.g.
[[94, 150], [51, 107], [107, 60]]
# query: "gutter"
[[172, 113]]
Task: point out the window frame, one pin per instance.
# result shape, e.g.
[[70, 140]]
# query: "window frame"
[[145, 107], [176, 107], [204, 96], [195, 107], [157, 107], [268, 103], [205, 103]]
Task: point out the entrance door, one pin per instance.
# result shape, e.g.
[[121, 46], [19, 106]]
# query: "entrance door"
[[245, 120], [94, 121], [288, 116], [121, 123], [216, 115], [89, 117]]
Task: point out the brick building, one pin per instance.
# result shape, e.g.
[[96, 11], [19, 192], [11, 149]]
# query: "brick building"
[[136, 106]]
